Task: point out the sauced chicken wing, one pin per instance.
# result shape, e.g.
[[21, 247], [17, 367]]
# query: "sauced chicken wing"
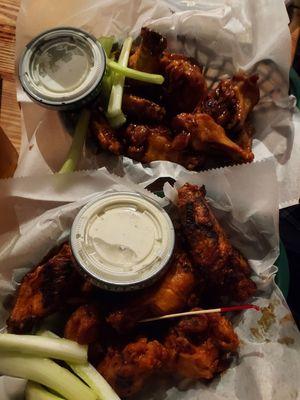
[[44, 290], [170, 295], [206, 135], [84, 324], [147, 143], [147, 54], [232, 101], [128, 369], [105, 135], [225, 268], [199, 346], [184, 85], [141, 109]]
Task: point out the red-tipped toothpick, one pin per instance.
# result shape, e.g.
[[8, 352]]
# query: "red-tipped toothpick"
[[199, 312]]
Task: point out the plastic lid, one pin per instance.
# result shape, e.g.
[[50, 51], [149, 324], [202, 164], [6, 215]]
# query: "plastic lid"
[[61, 66], [122, 240]]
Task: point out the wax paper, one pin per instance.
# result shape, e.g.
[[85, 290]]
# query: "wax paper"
[[224, 35], [37, 213]]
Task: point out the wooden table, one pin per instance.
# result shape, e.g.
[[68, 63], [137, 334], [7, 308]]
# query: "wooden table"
[[10, 113]]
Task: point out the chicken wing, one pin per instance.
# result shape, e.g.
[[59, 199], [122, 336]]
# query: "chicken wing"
[[206, 135], [44, 290], [170, 295], [224, 267], [140, 109], [199, 346], [184, 85], [105, 135], [147, 143], [128, 369], [146, 56], [232, 101], [84, 324]]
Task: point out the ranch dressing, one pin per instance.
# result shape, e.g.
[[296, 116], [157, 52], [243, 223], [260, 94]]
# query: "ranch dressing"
[[62, 68], [122, 240]]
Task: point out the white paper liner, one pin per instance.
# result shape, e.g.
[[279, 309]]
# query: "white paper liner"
[[224, 35], [37, 213]]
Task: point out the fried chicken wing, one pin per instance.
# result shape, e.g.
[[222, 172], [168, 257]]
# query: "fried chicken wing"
[[146, 56], [206, 135], [184, 85], [232, 101], [105, 135], [44, 290], [147, 143], [141, 109], [128, 369], [170, 295], [84, 324], [225, 268], [199, 346]]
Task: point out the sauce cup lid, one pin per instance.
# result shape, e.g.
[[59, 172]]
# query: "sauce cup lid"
[[61, 66], [122, 240]]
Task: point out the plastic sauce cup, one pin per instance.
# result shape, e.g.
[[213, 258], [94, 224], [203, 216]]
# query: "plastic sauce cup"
[[122, 241], [62, 68]]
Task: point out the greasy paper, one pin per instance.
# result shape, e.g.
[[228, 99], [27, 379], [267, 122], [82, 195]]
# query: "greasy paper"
[[224, 35], [38, 213]]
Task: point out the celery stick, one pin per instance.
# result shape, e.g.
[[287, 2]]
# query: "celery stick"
[[107, 43], [61, 349], [90, 376], [77, 143], [135, 74], [47, 373], [95, 381], [34, 391], [114, 110]]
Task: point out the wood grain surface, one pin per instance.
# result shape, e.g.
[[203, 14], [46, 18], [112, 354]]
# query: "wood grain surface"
[[10, 113]]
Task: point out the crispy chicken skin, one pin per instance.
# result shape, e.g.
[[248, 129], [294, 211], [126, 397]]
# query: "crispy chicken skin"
[[199, 346], [147, 143], [184, 85], [105, 135], [141, 109], [195, 348], [84, 324], [128, 369], [146, 56], [224, 267], [170, 295], [206, 135], [44, 290], [232, 101]]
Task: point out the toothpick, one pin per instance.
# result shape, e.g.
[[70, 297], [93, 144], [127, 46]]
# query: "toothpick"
[[199, 312]]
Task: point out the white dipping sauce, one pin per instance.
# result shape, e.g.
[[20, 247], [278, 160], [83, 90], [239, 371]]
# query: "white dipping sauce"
[[122, 239]]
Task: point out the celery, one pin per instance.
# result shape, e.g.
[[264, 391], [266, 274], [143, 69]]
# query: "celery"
[[106, 83], [114, 110], [107, 43], [77, 143], [34, 391], [61, 349], [135, 74], [90, 376], [47, 373]]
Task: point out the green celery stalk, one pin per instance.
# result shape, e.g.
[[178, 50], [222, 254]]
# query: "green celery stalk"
[[47, 373], [34, 391], [90, 376], [77, 144], [135, 74], [107, 43], [114, 109], [58, 348]]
